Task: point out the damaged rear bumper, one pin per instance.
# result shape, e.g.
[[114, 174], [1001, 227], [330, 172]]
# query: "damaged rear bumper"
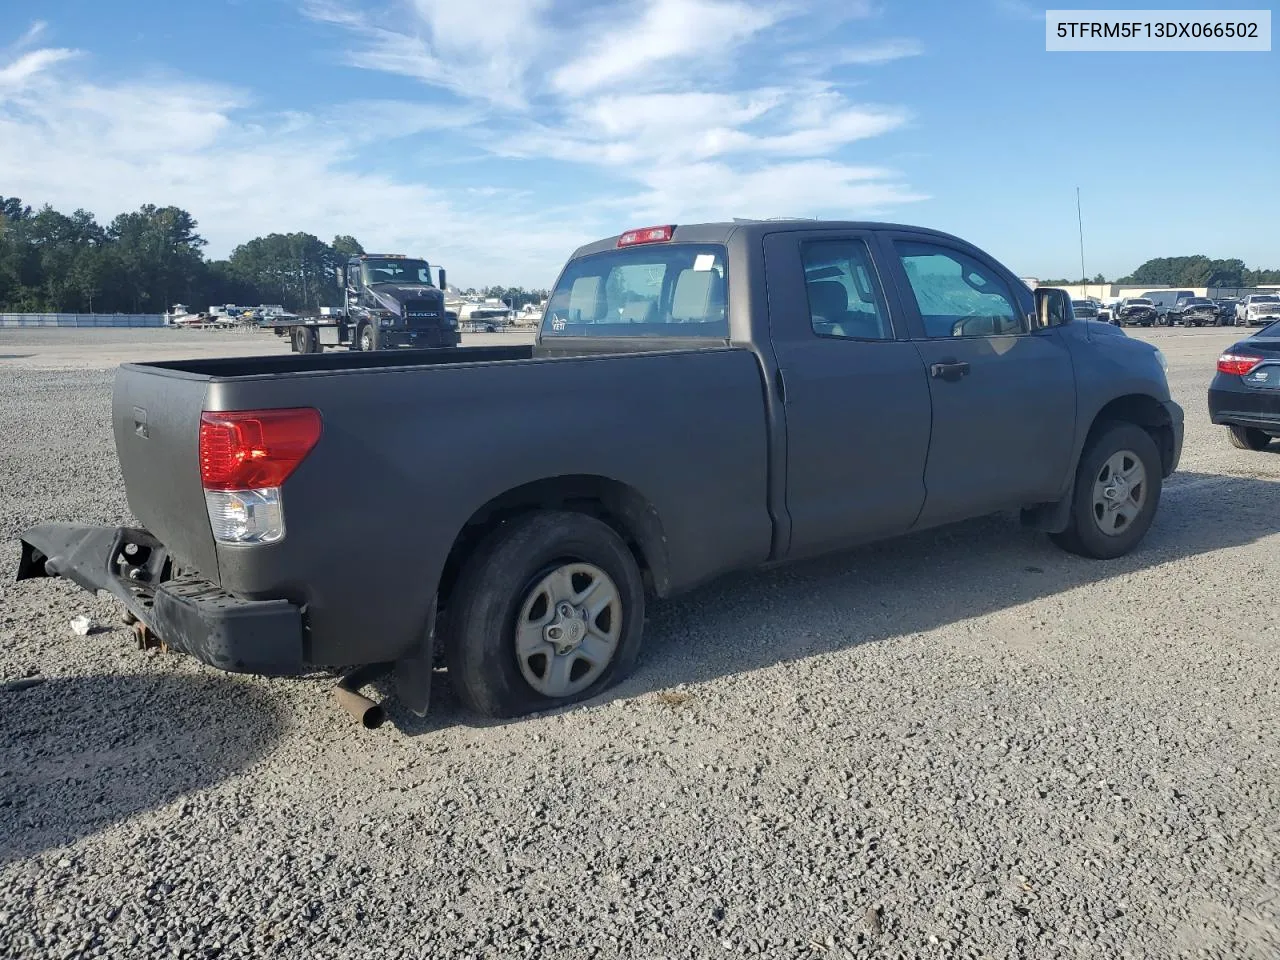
[[187, 613]]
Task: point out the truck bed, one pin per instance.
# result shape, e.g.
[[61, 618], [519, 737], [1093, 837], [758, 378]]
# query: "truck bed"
[[230, 367], [415, 443]]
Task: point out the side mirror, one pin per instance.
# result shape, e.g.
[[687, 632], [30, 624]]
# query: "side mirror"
[[441, 272], [1053, 307], [341, 275]]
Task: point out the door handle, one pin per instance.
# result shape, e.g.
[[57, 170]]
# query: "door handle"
[[949, 370]]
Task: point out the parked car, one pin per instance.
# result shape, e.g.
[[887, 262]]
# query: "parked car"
[[1226, 311], [1084, 309], [1258, 309], [1137, 311], [1165, 301], [1193, 312], [1245, 393], [699, 399]]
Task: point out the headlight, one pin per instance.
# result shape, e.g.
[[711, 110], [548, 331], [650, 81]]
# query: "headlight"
[[386, 321], [1164, 364]]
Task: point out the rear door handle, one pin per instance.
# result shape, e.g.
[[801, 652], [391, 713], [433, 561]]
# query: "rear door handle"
[[949, 370]]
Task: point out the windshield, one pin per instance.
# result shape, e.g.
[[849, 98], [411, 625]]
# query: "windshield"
[[1140, 302], [1266, 299], [395, 271], [1199, 302], [653, 290]]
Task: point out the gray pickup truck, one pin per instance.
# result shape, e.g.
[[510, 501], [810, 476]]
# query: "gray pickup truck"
[[700, 399]]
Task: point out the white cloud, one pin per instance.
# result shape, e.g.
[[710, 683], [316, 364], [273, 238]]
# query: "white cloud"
[[34, 32], [659, 101], [111, 148], [658, 32], [885, 51], [715, 191], [445, 43], [649, 93], [18, 73]]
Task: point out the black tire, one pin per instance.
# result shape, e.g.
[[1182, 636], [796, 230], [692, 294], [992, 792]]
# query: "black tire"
[[305, 340], [1083, 536], [1247, 438], [479, 626], [367, 337]]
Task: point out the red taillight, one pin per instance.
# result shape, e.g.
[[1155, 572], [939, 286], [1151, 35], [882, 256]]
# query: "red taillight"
[[252, 449], [646, 235], [1237, 363]]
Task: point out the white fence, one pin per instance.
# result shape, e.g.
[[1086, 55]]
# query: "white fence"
[[81, 320]]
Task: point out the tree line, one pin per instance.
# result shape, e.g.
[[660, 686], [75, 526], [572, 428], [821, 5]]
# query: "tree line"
[[148, 260], [1195, 271]]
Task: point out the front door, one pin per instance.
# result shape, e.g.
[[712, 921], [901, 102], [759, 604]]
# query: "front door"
[[856, 396], [1003, 392]]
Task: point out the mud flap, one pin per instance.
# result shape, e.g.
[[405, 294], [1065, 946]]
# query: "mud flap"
[[1051, 517], [413, 671]]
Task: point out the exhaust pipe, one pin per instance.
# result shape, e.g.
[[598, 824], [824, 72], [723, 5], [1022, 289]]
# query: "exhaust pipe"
[[347, 691]]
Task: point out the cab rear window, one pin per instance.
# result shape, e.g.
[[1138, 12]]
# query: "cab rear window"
[[653, 290]]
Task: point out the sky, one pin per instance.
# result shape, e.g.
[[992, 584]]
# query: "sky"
[[495, 136]]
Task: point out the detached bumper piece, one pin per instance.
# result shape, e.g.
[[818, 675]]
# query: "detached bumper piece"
[[189, 614]]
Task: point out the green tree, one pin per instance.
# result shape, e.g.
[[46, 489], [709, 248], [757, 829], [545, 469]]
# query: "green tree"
[[346, 247], [159, 255], [295, 268]]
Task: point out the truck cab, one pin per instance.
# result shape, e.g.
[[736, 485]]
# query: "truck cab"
[[391, 300]]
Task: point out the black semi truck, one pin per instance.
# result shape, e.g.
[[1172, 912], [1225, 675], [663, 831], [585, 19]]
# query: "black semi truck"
[[388, 301]]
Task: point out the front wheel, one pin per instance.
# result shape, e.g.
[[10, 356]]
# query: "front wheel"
[[1116, 493], [1247, 438], [367, 337], [549, 610]]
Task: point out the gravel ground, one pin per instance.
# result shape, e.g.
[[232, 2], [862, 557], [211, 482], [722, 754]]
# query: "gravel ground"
[[960, 744]]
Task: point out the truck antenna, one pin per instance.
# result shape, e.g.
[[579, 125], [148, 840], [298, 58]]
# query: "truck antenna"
[[1084, 277]]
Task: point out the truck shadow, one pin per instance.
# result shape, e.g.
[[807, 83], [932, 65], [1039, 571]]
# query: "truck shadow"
[[910, 585], [81, 753]]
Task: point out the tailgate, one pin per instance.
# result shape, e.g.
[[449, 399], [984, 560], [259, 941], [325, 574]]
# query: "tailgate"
[[156, 419]]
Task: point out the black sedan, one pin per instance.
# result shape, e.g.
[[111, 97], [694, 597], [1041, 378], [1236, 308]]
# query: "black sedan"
[[1245, 394]]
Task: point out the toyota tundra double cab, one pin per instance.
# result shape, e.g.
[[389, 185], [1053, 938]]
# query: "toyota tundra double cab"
[[699, 399]]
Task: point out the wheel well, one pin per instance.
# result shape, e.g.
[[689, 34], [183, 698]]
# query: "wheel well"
[[1146, 412], [620, 506]]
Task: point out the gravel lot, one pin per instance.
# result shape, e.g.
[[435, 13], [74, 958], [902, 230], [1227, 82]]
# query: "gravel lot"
[[961, 744]]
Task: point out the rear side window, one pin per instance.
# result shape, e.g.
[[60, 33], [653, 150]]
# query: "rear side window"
[[654, 290], [844, 298]]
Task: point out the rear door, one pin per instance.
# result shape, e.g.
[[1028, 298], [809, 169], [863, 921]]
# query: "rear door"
[[856, 397], [1003, 393]]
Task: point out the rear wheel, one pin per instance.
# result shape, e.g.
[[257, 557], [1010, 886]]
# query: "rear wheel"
[[548, 611], [1247, 438], [305, 340], [1116, 493]]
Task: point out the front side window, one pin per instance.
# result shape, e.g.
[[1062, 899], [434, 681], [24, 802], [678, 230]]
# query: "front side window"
[[651, 290], [844, 297], [957, 295]]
